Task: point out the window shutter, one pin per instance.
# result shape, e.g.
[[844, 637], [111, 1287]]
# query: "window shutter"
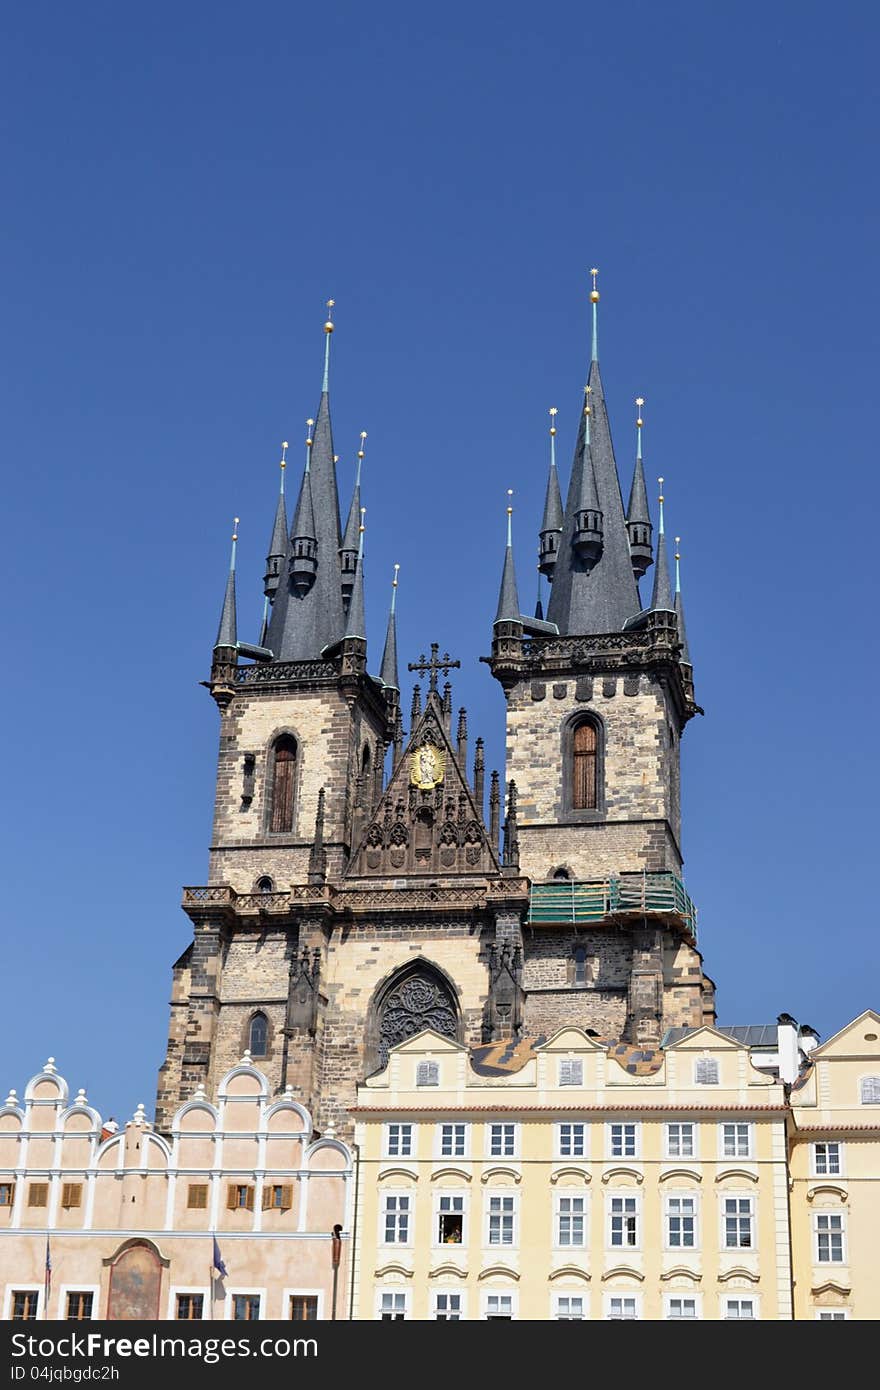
[[267, 1197], [38, 1194], [571, 1071], [871, 1090], [286, 1197], [282, 785], [706, 1071], [71, 1194], [249, 1198], [428, 1074], [197, 1197], [232, 1196], [584, 768]]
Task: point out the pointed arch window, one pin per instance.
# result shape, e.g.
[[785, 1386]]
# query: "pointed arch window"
[[258, 1037], [585, 766], [283, 782]]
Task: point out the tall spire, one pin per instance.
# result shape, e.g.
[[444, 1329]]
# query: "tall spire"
[[588, 531], [278, 541], [551, 525], [357, 622], [638, 517], [227, 635], [679, 608], [508, 599], [388, 673], [599, 597], [308, 616], [661, 598], [349, 548]]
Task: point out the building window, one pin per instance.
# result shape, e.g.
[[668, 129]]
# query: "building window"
[[452, 1141], [7, 1194], [570, 1214], [258, 1037], [501, 1220], [832, 1315], [197, 1196], [71, 1195], [392, 1307], [399, 1141], [499, 1307], [679, 1141], [395, 1215], [826, 1160], [24, 1305], [584, 779], [239, 1197], [736, 1141], [38, 1194], [681, 1223], [277, 1196], [447, 1307], [450, 1221], [304, 1307], [622, 1141], [79, 1307], [569, 1308], [737, 1308], [681, 1308], [706, 1071], [580, 965], [416, 998], [428, 1074], [245, 1307], [283, 779], [571, 1071], [190, 1307], [869, 1090], [739, 1221], [502, 1141], [572, 1140], [265, 885], [829, 1238], [624, 1231], [621, 1309]]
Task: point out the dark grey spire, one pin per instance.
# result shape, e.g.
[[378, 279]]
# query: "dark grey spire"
[[508, 599], [306, 620], [227, 635], [388, 674], [588, 529], [278, 543], [587, 599], [638, 517], [685, 657], [357, 622], [551, 524], [349, 548], [661, 598]]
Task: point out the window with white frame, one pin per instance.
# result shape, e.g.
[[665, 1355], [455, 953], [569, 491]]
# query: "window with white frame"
[[428, 1074], [680, 1142], [448, 1307], [392, 1307], [24, 1305], [832, 1315], [572, 1140], [623, 1140], [571, 1071], [735, 1309], [869, 1090], [499, 1307], [677, 1307], [571, 1215], [829, 1237], [502, 1141], [453, 1140], [738, 1215], [398, 1141], [681, 1221], [736, 1140], [827, 1160], [623, 1223], [396, 1212], [706, 1071], [621, 1307], [569, 1307], [450, 1219], [502, 1220]]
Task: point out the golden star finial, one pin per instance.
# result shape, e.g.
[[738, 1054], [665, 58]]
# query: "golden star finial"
[[594, 293]]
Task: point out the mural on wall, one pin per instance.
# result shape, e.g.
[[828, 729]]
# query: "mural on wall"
[[135, 1284]]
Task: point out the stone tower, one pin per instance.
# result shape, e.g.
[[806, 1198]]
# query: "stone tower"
[[359, 890]]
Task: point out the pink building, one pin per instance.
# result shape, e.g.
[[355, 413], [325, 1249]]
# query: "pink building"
[[130, 1219]]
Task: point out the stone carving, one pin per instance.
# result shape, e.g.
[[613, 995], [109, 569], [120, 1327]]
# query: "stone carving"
[[419, 1002]]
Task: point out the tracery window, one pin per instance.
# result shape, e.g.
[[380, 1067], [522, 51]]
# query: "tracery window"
[[421, 1000], [283, 779]]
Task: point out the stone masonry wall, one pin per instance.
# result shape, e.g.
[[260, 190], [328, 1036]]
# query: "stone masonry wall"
[[596, 849]]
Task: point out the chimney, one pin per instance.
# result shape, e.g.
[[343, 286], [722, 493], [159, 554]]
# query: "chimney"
[[787, 1045], [808, 1039]]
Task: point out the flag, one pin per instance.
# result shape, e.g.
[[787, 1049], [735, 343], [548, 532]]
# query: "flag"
[[217, 1261], [47, 1281]]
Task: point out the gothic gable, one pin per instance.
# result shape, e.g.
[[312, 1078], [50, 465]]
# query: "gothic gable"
[[427, 821]]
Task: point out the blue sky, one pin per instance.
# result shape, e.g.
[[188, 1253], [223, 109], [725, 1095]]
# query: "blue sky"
[[184, 186]]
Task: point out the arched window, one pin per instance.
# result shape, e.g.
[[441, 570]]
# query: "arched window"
[[562, 875], [283, 779], [870, 1090], [258, 1040], [584, 781], [416, 998], [265, 885], [580, 965]]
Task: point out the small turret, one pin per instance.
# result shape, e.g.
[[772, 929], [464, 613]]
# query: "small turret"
[[588, 528], [303, 563], [661, 598], [685, 658], [388, 672], [508, 612], [278, 541], [225, 655], [349, 548], [551, 525], [638, 518]]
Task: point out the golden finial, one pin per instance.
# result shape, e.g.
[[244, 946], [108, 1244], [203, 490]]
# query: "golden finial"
[[594, 293], [640, 401], [394, 580], [553, 413], [235, 528], [328, 326], [660, 481], [284, 447], [309, 424], [361, 449], [677, 544], [588, 391], [363, 526]]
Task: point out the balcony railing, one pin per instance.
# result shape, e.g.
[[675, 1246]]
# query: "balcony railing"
[[626, 895]]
